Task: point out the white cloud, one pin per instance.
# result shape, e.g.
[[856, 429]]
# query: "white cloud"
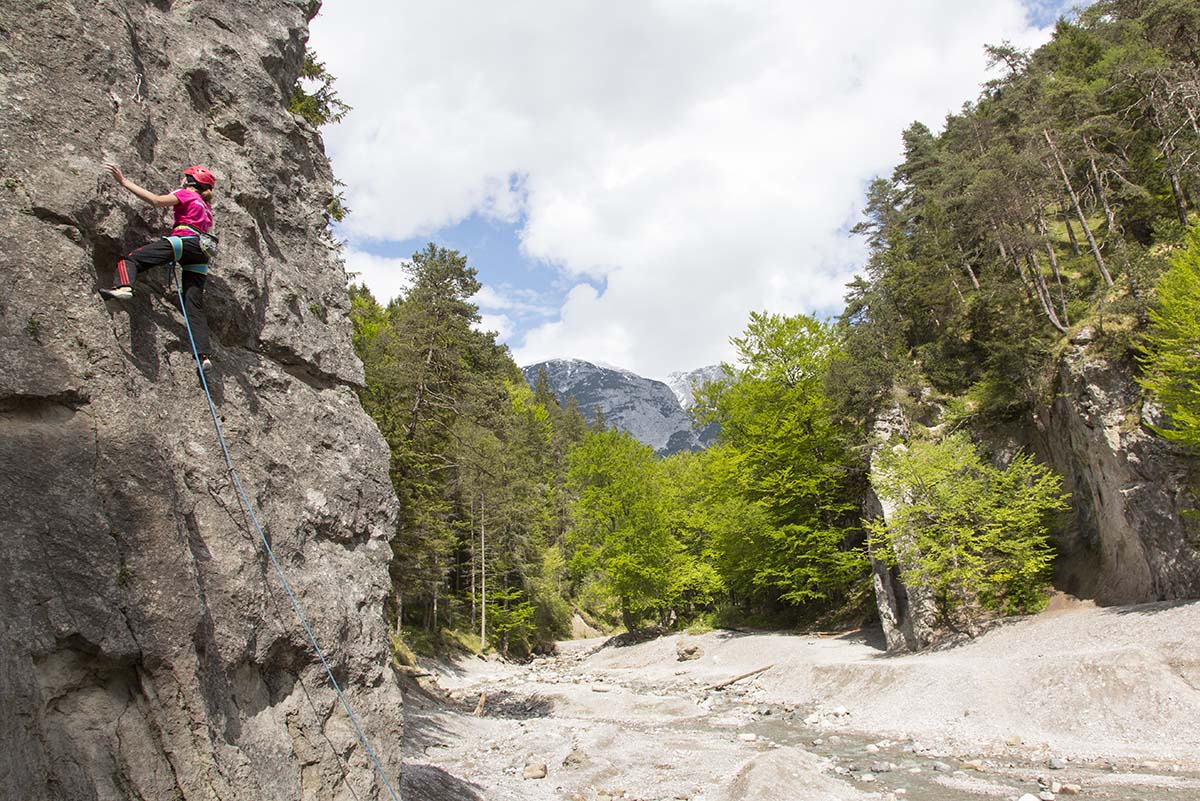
[[489, 298], [500, 324], [385, 277], [699, 156]]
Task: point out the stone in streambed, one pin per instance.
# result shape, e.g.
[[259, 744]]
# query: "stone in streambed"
[[686, 651]]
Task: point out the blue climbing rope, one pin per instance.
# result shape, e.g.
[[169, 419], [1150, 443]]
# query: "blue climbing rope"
[[212, 409]]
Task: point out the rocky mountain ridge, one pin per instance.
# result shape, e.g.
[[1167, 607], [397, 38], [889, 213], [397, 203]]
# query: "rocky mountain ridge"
[[649, 410], [146, 648]]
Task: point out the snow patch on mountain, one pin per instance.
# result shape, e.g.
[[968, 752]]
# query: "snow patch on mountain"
[[685, 384], [648, 409]]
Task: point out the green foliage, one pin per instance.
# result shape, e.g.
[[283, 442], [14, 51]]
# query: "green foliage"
[[33, 328], [973, 535], [511, 625], [1033, 212], [479, 462], [1171, 353], [321, 105], [780, 486], [620, 537]]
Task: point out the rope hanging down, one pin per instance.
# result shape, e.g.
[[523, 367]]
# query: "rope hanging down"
[[212, 409]]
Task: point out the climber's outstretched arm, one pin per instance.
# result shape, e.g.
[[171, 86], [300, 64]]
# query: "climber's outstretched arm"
[[144, 194]]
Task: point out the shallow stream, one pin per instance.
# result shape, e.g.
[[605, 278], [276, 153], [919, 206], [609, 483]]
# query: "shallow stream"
[[915, 773]]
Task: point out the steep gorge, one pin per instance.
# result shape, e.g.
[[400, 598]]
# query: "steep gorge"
[[146, 648]]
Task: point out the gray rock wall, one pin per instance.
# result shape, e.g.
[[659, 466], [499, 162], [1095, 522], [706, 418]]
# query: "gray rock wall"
[[1129, 540], [907, 613], [146, 648]]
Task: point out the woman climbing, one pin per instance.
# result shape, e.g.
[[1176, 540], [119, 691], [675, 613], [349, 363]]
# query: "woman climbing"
[[192, 247]]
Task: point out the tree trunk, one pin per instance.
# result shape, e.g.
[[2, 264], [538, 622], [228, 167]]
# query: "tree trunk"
[[474, 589], [1173, 177], [1066, 218], [627, 618], [967, 266], [1087, 229], [434, 617], [416, 411], [1040, 219], [482, 578], [1062, 295], [1043, 293], [1109, 217]]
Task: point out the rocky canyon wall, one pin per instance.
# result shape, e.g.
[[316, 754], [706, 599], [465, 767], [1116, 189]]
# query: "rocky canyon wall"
[[1128, 538], [146, 648]]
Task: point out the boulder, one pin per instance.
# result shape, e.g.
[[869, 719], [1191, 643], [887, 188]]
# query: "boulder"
[[687, 650]]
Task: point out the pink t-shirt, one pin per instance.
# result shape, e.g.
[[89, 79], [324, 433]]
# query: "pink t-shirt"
[[191, 210]]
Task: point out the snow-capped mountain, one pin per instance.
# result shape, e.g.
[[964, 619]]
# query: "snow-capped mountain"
[[684, 385], [647, 409]]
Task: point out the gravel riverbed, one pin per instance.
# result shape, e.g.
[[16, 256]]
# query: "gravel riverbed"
[[1084, 703]]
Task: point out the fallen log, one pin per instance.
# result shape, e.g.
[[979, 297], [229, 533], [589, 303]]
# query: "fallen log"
[[736, 679]]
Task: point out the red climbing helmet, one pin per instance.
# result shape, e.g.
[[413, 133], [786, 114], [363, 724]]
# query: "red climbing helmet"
[[200, 175]]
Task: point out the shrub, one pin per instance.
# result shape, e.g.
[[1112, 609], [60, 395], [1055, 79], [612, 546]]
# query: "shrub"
[[975, 536]]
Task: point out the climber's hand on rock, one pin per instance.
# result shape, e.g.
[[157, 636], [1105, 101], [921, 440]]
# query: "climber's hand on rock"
[[116, 173]]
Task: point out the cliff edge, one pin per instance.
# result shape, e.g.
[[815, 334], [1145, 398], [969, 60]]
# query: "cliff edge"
[[146, 647]]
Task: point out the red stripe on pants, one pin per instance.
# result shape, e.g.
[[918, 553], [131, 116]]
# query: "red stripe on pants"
[[122, 273]]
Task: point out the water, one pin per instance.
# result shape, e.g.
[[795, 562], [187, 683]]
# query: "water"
[[911, 773]]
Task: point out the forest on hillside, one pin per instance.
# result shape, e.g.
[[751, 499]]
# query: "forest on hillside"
[[1059, 203]]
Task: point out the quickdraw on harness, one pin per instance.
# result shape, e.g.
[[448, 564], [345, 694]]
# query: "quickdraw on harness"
[[177, 248]]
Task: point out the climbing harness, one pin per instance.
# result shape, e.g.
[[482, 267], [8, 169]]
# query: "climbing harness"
[[177, 246], [208, 242]]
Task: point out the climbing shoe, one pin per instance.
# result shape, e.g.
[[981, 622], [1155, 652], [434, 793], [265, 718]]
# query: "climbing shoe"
[[118, 293]]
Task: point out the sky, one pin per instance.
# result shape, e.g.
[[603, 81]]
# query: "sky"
[[631, 180]]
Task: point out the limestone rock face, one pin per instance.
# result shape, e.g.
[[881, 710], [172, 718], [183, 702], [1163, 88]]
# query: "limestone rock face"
[[907, 613], [146, 647], [1127, 538], [1129, 541]]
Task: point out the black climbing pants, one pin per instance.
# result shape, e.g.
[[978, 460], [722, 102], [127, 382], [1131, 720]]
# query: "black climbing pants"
[[160, 252]]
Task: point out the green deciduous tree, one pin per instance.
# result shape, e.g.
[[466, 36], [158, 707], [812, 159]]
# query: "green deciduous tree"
[[973, 535], [783, 465], [1171, 352], [621, 537]]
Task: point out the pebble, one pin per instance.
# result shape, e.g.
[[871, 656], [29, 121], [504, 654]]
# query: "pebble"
[[535, 770], [942, 767], [1046, 795], [840, 712], [600, 688], [1014, 741], [868, 777], [872, 749], [812, 720], [1029, 797], [1071, 789], [747, 737], [1057, 763]]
